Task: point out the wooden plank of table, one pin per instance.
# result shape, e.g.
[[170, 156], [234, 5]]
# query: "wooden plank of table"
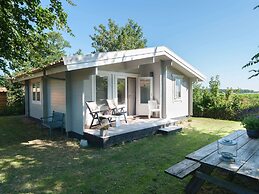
[[208, 149], [177, 168], [183, 168], [214, 159], [189, 170], [243, 154], [251, 167]]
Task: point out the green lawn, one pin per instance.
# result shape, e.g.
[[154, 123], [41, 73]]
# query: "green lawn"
[[30, 162]]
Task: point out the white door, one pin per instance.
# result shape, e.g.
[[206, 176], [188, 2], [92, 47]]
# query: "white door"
[[144, 94]]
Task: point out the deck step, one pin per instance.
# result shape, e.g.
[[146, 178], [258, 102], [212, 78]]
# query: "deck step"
[[169, 130]]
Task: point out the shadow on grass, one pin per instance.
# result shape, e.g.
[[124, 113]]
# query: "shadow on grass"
[[33, 163]]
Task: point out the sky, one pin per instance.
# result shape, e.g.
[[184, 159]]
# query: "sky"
[[217, 37]]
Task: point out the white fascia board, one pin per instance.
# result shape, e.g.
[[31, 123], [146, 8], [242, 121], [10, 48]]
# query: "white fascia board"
[[184, 64]]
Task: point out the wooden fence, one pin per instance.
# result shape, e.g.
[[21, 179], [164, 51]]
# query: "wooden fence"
[[3, 99]]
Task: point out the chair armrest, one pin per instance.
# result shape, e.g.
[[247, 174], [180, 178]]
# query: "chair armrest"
[[45, 118], [104, 111], [120, 108], [42, 118]]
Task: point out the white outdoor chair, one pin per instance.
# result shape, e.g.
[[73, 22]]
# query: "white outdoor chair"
[[116, 109], [153, 107], [97, 114]]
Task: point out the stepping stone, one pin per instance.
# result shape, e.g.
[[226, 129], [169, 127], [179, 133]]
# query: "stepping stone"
[[169, 130]]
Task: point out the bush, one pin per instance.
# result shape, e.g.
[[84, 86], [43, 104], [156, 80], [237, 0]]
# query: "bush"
[[251, 122], [12, 110], [212, 103]]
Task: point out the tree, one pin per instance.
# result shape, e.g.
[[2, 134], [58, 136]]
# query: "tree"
[[24, 27], [214, 85], [114, 38], [254, 60], [51, 52], [78, 52]]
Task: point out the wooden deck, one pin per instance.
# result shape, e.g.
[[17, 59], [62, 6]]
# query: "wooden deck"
[[135, 129]]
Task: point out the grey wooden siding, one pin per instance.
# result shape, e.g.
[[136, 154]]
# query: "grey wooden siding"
[[56, 96], [176, 107]]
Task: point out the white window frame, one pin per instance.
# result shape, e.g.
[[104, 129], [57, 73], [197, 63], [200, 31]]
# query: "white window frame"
[[38, 90]]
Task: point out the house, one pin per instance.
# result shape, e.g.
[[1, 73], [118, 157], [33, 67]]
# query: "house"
[[131, 77], [3, 97]]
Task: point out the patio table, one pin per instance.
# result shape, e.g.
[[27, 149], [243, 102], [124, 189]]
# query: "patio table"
[[246, 164]]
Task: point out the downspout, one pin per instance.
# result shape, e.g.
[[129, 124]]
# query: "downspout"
[[45, 94]]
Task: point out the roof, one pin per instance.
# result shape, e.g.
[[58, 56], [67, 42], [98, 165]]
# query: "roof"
[[107, 58], [77, 62], [3, 89], [36, 70]]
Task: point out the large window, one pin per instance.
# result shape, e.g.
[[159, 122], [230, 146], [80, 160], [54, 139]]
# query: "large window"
[[121, 90], [36, 92], [145, 90], [177, 88], [101, 89]]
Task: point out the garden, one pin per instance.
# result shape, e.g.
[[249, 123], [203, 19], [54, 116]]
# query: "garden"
[[31, 162]]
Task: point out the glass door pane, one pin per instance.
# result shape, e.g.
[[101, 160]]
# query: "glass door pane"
[[121, 90], [101, 89], [144, 91]]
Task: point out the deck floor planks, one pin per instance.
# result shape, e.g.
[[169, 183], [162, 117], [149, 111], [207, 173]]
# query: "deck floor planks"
[[127, 128], [126, 132]]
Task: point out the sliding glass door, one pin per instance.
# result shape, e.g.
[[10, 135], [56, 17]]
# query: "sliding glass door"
[[121, 90], [101, 89]]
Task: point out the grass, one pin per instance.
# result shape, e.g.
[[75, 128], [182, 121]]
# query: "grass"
[[30, 162]]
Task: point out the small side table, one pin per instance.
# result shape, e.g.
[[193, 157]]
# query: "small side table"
[[117, 119]]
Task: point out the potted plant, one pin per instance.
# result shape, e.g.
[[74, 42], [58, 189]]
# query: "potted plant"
[[104, 128], [251, 123]]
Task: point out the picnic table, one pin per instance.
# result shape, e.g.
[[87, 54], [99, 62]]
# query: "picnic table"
[[202, 162]]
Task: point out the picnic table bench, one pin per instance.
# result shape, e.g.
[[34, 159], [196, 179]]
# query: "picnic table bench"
[[202, 162]]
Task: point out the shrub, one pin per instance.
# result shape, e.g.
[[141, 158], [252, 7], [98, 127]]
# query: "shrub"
[[213, 103], [251, 122]]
